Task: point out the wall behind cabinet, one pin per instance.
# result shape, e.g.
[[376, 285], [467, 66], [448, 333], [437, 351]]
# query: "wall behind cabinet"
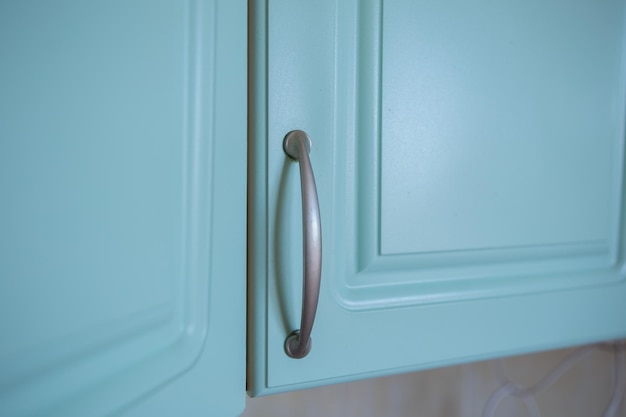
[[584, 390]]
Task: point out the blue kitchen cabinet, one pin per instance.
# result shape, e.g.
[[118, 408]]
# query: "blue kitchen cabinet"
[[468, 159], [469, 164], [123, 206]]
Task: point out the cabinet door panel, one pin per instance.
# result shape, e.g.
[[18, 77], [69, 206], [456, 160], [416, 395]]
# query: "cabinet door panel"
[[469, 163], [114, 294]]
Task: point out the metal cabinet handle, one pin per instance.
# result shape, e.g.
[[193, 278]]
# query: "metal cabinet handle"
[[297, 145]]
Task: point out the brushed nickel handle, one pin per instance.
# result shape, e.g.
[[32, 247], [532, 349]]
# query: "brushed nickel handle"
[[297, 145]]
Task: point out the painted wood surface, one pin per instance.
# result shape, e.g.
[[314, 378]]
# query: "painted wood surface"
[[122, 222], [470, 166]]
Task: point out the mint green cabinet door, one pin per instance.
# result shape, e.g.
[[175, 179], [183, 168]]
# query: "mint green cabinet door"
[[122, 215], [469, 161]]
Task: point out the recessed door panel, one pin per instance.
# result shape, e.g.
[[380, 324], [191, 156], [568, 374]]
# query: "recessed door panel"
[[500, 130]]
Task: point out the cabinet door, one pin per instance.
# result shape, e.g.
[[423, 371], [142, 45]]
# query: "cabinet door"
[[122, 216], [469, 160]]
